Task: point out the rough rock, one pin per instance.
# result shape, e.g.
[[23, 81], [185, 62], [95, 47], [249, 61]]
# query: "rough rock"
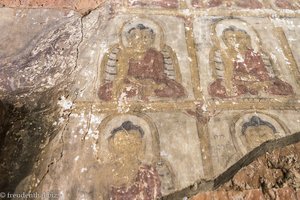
[[82, 6], [274, 175], [35, 71]]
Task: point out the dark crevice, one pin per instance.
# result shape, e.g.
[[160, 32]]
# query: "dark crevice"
[[27, 129]]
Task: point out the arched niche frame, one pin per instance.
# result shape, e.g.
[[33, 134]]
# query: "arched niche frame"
[[152, 146], [150, 138], [238, 136]]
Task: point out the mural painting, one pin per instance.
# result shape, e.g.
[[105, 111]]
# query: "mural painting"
[[257, 131], [239, 65], [252, 129], [141, 67], [134, 165], [201, 92], [131, 178]]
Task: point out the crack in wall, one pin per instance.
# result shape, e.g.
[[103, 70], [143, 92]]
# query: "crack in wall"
[[80, 42], [62, 142]]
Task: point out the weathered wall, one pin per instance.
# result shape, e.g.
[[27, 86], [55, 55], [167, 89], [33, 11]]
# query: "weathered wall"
[[205, 87], [38, 57], [82, 6]]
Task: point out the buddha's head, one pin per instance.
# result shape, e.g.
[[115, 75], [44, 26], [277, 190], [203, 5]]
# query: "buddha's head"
[[255, 136], [237, 39], [127, 140], [257, 131], [140, 37]]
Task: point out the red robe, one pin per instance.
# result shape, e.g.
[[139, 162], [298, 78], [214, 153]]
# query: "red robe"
[[145, 187], [253, 65], [150, 67]]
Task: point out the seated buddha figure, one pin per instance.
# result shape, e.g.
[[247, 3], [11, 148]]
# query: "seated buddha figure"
[[131, 178], [245, 72], [139, 70]]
